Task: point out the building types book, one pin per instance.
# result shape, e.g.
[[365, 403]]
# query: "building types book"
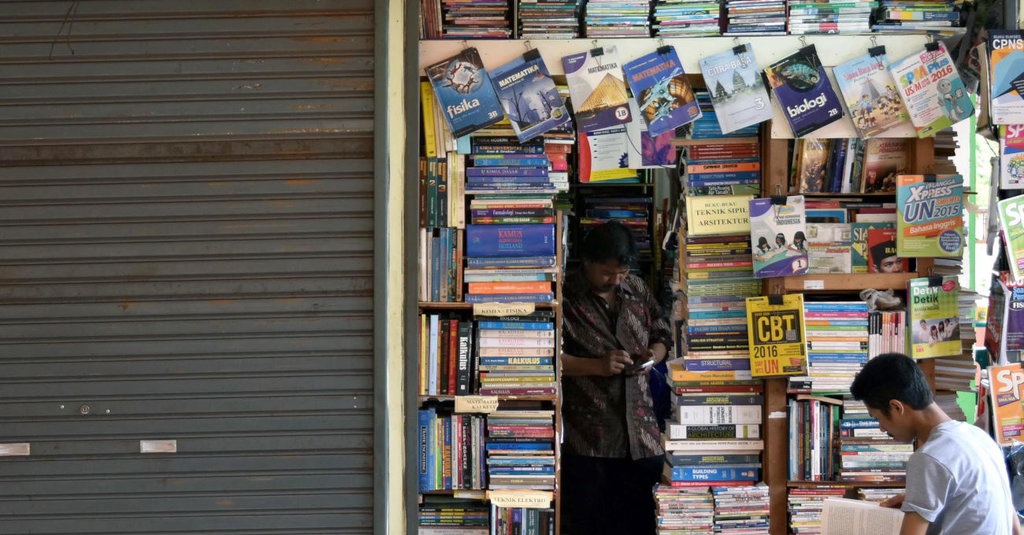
[[933, 316], [1006, 86], [662, 91], [529, 96], [781, 223], [1007, 403], [1011, 224], [1011, 156], [597, 88], [930, 222], [713, 475], [510, 240], [881, 251], [870, 93], [804, 91], [841, 516], [738, 94], [464, 92], [931, 89], [717, 215], [884, 159], [776, 335]]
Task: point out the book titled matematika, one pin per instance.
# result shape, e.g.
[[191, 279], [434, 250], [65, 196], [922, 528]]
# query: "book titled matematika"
[[870, 93], [722, 215], [933, 317], [804, 91], [841, 516], [464, 92], [529, 96], [775, 332], [1006, 89], [736, 88], [661, 90], [782, 222], [1007, 403], [1011, 222], [929, 221], [597, 88], [931, 89]]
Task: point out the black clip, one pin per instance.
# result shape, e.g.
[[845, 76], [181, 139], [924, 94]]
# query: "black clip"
[[931, 46], [876, 51], [929, 179], [775, 299], [739, 49], [595, 52], [662, 50], [934, 281], [532, 54], [779, 200]]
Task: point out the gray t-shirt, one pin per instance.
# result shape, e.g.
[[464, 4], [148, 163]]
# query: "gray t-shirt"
[[958, 481]]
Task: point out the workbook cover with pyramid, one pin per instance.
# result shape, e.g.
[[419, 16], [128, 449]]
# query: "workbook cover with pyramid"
[[597, 89]]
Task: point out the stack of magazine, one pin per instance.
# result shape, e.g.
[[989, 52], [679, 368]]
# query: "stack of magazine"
[[686, 18], [617, 18]]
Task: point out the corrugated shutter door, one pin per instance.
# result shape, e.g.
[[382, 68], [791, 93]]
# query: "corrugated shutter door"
[[186, 257]]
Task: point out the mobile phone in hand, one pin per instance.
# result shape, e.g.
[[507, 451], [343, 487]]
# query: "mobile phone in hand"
[[638, 366]]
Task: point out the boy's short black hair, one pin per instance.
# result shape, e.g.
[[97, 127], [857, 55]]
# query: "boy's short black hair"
[[609, 241], [892, 376]]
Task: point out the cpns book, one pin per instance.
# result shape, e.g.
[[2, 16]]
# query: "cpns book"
[[529, 96], [464, 92], [804, 92], [661, 90]]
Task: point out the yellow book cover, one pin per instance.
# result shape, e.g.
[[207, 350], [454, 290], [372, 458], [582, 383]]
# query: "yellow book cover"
[[1007, 409], [709, 215], [775, 332], [427, 111]]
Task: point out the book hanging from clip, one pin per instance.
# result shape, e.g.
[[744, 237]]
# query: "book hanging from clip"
[[933, 316], [776, 335], [529, 96], [869, 92], [662, 91], [931, 89], [736, 87], [778, 232], [1006, 54], [597, 88], [464, 92], [804, 91]]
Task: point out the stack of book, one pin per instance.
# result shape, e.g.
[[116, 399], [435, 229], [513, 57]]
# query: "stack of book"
[[730, 166], [755, 17], [520, 449], [826, 17], [440, 515], [446, 348], [868, 454], [813, 422], [549, 19], [837, 346], [516, 355], [479, 19], [633, 211], [708, 126], [617, 18], [684, 510], [503, 165], [914, 16], [450, 450], [686, 18], [805, 506], [527, 521], [741, 510]]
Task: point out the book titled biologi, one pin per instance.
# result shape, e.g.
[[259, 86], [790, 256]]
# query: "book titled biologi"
[[933, 316], [529, 96], [929, 220], [662, 90], [782, 222], [464, 92], [804, 92]]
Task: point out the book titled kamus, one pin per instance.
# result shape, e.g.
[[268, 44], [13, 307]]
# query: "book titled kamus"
[[510, 240]]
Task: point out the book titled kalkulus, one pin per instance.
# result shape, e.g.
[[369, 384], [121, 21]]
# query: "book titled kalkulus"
[[662, 91], [529, 96], [779, 226], [1011, 221], [930, 222], [1006, 55], [870, 93], [464, 92], [737, 91], [804, 92], [510, 240], [931, 89], [597, 88], [776, 335], [711, 215], [1007, 403], [933, 316]]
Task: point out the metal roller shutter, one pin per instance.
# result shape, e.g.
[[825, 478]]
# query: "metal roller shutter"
[[186, 262]]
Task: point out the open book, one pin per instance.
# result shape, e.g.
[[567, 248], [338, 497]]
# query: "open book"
[[854, 517]]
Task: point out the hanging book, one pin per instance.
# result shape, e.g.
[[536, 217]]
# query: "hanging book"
[[529, 96], [662, 90], [929, 221], [870, 93], [1006, 89], [782, 222], [1011, 156], [775, 333], [1007, 403], [647, 151], [737, 90], [933, 316], [464, 92], [804, 92], [604, 155], [1011, 222], [931, 89], [598, 92]]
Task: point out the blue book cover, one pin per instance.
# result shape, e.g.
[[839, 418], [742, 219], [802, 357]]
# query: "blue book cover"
[[426, 449], [464, 92], [505, 170], [524, 325], [510, 240], [597, 89], [529, 96], [711, 473], [504, 160], [662, 91], [804, 92], [738, 95]]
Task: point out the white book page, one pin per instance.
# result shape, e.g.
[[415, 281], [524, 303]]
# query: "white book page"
[[855, 517]]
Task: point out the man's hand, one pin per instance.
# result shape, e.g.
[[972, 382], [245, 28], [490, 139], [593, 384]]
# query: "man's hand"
[[615, 362]]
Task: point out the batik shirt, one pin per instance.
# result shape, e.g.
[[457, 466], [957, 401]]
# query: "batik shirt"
[[610, 416]]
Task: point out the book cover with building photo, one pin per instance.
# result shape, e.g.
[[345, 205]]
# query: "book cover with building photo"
[[597, 89], [804, 91], [934, 317], [737, 91], [662, 91], [464, 92], [782, 222], [529, 96]]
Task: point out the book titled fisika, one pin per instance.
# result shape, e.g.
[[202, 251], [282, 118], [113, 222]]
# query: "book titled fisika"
[[930, 221], [510, 240], [529, 96], [662, 91], [804, 92], [464, 92]]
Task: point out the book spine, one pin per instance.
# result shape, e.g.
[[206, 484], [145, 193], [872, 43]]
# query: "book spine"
[[505, 171], [510, 298], [510, 261], [465, 350], [682, 431], [522, 325], [510, 240], [684, 473]]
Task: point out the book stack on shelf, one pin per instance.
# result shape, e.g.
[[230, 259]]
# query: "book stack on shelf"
[[867, 454], [684, 510], [516, 355], [549, 19], [444, 515], [617, 18], [813, 421], [940, 17], [479, 19], [446, 346], [755, 17], [741, 510], [830, 17], [805, 504], [521, 449], [847, 165], [633, 211], [837, 346], [528, 521], [451, 450], [686, 18]]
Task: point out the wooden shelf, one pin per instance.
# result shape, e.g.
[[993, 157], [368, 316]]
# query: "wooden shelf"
[[839, 282]]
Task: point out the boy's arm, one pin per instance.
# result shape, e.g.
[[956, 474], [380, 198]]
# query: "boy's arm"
[[913, 524]]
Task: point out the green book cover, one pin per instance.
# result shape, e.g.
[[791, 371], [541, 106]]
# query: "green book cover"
[[934, 317], [930, 218]]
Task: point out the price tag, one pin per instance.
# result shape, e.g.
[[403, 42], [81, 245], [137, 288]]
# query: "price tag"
[[530, 499], [503, 309], [483, 404], [814, 284]]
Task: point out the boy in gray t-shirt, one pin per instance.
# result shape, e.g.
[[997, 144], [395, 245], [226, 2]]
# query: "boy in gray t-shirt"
[[957, 482]]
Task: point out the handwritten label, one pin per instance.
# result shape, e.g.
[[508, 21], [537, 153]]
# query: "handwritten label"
[[814, 284], [530, 499], [503, 309], [484, 404]]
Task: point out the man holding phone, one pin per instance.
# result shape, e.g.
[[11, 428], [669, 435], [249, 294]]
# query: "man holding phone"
[[614, 331]]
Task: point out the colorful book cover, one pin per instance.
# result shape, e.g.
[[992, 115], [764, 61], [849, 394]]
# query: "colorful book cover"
[[811, 160], [859, 243], [881, 251], [782, 223], [717, 215], [1011, 222], [597, 89], [1011, 156], [828, 248], [464, 92], [1007, 403], [929, 221], [804, 92], [604, 155], [870, 93], [738, 94], [931, 90], [510, 240], [775, 331], [933, 316], [529, 96], [661, 90], [646, 151], [884, 159], [1006, 76]]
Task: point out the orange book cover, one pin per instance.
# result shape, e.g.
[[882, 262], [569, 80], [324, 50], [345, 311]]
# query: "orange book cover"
[[512, 287]]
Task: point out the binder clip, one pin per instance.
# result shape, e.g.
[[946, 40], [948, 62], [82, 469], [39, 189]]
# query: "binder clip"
[[739, 49], [775, 299], [778, 200], [876, 51], [664, 49], [934, 281], [532, 54], [931, 46], [597, 51], [929, 179]]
